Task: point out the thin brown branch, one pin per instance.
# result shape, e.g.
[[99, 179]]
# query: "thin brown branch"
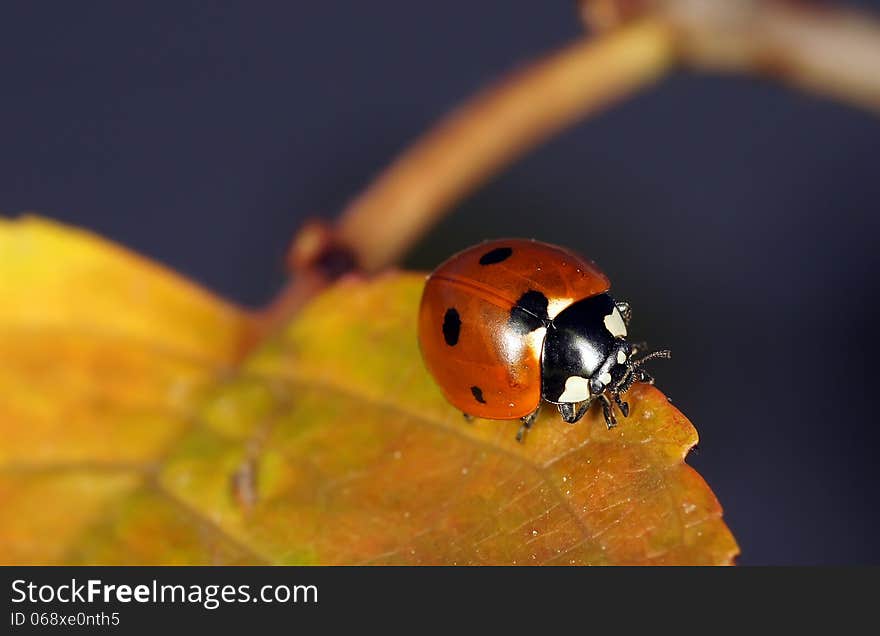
[[466, 148], [494, 128], [826, 49]]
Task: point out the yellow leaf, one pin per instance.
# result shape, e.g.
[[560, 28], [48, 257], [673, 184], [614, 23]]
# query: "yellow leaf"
[[125, 405]]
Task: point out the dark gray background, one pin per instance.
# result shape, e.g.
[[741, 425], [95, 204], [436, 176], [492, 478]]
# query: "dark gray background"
[[738, 217]]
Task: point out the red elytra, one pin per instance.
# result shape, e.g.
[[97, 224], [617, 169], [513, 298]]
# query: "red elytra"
[[469, 331]]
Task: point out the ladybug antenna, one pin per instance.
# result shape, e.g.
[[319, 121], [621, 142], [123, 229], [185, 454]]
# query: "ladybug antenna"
[[636, 374], [663, 353]]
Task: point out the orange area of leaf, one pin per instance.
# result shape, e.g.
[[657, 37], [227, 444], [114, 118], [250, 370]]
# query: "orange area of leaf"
[[132, 435]]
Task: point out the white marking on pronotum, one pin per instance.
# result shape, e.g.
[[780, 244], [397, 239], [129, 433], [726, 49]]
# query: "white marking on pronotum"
[[614, 324], [577, 389], [621, 357], [555, 305], [605, 378]]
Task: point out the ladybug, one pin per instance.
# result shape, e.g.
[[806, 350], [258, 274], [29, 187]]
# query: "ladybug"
[[506, 324]]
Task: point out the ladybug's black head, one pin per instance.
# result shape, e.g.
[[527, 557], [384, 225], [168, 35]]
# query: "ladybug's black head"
[[624, 375], [614, 369]]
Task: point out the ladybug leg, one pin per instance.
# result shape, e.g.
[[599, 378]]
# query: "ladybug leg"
[[623, 406], [571, 412], [467, 417], [566, 410], [625, 310], [527, 422], [610, 420]]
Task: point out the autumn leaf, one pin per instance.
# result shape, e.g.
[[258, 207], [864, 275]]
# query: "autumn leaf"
[[133, 432]]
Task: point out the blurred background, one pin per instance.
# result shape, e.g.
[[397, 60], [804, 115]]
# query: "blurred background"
[[738, 217]]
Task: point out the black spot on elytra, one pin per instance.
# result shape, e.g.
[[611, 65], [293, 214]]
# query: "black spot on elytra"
[[530, 313], [451, 326], [496, 256], [478, 394]]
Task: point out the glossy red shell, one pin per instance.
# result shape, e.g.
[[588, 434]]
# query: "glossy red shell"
[[489, 368]]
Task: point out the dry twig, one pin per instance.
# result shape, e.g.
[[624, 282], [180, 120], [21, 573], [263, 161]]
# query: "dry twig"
[[828, 50], [469, 146]]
